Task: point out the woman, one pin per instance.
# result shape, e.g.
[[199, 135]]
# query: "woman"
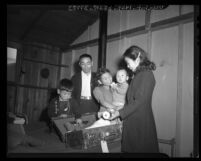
[[139, 130]]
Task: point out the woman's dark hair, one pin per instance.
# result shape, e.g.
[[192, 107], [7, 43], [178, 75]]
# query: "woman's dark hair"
[[133, 52], [99, 73]]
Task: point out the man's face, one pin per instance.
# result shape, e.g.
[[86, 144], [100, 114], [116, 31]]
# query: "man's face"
[[86, 64]]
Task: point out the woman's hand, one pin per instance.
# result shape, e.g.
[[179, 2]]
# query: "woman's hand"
[[113, 85], [114, 115], [100, 114], [119, 107]]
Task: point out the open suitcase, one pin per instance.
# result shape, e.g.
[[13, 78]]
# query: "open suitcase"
[[59, 124], [84, 139], [89, 138]]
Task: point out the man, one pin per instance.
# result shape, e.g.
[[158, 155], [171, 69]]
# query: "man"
[[84, 84]]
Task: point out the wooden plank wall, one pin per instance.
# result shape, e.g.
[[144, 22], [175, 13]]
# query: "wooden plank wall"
[[165, 35], [34, 92], [10, 98]]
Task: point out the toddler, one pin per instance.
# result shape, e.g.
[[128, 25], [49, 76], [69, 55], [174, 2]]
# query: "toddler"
[[120, 88]]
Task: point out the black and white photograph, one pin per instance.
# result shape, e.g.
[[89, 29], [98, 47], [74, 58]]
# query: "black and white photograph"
[[102, 81]]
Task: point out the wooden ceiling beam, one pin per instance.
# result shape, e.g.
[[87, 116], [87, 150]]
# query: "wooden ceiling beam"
[[32, 24]]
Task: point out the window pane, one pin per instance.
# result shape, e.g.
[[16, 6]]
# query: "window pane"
[[11, 63]]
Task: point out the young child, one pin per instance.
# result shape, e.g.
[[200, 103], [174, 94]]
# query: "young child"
[[63, 105], [103, 92], [120, 88]]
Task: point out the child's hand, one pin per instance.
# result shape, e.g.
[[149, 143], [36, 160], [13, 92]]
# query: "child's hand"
[[113, 85], [114, 115], [66, 109], [78, 121]]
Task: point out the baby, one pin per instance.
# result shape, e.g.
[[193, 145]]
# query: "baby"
[[120, 88]]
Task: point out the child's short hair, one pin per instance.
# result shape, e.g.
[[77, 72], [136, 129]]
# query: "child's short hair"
[[101, 71], [66, 84], [123, 70]]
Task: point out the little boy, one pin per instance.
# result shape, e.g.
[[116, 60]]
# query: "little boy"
[[120, 88], [64, 105]]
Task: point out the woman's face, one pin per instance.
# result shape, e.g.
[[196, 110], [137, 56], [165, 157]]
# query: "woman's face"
[[106, 79], [132, 64]]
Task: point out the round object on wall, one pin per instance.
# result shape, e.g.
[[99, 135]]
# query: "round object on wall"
[[44, 73]]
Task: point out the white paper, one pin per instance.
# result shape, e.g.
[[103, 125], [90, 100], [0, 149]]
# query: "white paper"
[[104, 146], [99, 123]]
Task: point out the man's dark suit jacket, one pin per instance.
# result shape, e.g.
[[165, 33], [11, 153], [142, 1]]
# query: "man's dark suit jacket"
[[77, 86]]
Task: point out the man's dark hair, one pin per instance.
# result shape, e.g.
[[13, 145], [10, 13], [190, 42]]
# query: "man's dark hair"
[[66, 84], [85, 56]]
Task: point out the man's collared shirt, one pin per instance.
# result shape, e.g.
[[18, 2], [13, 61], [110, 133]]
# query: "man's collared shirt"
[[86, 84]]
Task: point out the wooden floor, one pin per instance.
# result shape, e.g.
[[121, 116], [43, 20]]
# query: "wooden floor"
[[53, 144], [54, 148]]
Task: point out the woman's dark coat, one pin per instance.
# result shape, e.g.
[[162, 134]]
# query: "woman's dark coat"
[[139, 130]]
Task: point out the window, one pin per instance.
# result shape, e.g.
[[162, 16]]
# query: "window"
[[11, 63]]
